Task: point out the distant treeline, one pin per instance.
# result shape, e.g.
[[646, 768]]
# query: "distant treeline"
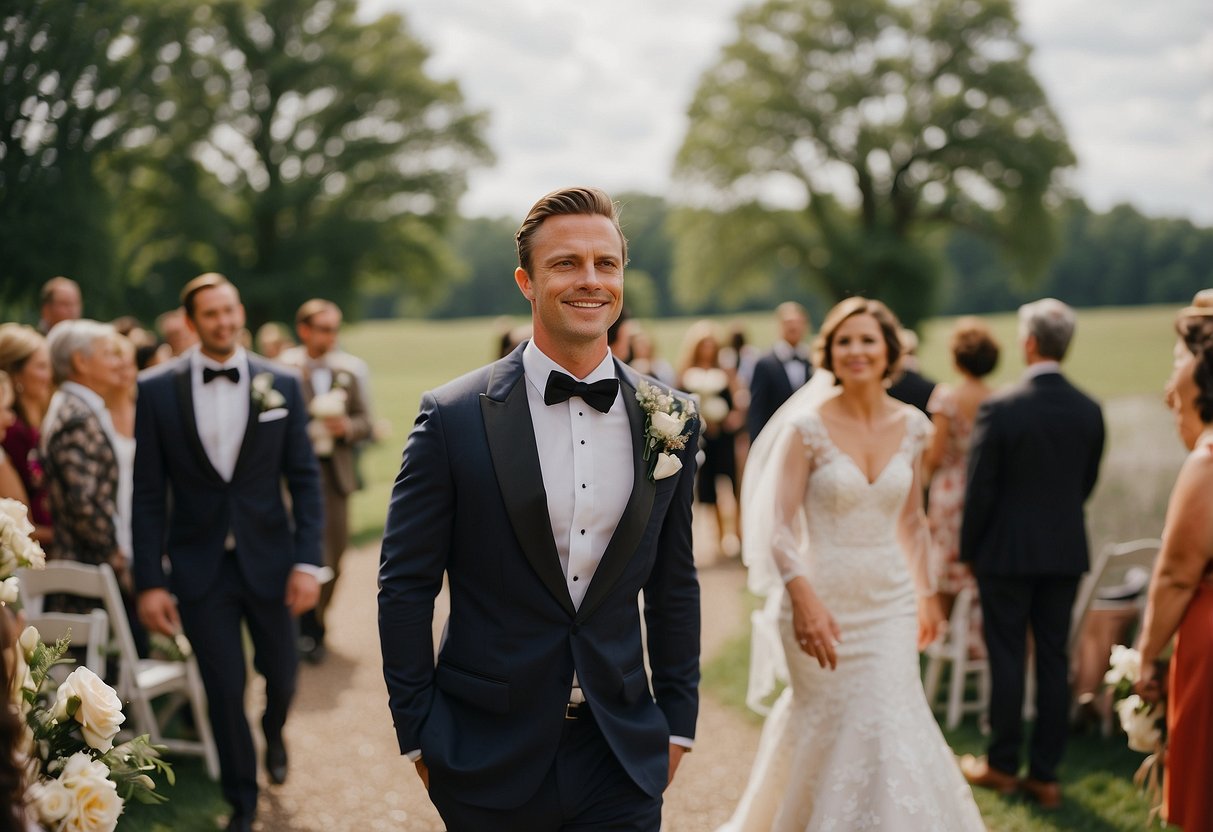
[[1115, 258]]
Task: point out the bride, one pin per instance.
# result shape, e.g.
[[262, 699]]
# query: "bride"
[[837, 539]]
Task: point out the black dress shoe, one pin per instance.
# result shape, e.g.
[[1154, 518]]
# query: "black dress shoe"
[[240, 823], [275, 761]]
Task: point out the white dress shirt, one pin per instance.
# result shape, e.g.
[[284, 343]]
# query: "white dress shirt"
[[221, 409], [587, 462], [1040, 368], [794, 360]]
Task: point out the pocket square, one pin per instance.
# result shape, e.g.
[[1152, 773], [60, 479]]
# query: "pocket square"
[[272, 415]]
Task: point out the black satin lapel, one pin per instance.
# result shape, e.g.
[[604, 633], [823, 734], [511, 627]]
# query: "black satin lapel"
[[635, 516], [511, 436], [250, 428], [185, 399]]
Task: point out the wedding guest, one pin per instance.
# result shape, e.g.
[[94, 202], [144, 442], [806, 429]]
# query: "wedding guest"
[[120, 403], [24, 356], [721, 410], [60, 301], [230, 496], [783, 370], [1180, 601], [1033, 462], [619, 337], [10, 482], [272, 338], [645, 359], [335, 434], [176, 332], [837, 540], [739, 355], [525, 485], [78, 444], [910, 385], [953, 408]]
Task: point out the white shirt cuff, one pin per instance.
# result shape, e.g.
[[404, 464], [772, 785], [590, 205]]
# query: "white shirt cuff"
[[414, 756], [324, 574], [683, 741]]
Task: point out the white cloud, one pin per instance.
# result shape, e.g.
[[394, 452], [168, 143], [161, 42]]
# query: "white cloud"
[[596, 93]]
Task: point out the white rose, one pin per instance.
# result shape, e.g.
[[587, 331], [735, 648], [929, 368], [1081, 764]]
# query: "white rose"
[[322, 440], [29, 641], [16, 511], [328, 404], [667, 466], [52, 800], [100, 711], [10, 590], [80, 767], [1125, 664], [667, 425], [263, 383], [1141, 726], [97, 805]]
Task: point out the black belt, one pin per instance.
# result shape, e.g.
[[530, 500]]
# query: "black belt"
[[577, 710]]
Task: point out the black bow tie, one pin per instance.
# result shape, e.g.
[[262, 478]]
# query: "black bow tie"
[[561, 387], [232, 374]]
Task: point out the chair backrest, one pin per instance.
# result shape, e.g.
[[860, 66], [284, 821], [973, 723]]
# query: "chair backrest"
[[1111, 568], [90, 631], [88, 581]]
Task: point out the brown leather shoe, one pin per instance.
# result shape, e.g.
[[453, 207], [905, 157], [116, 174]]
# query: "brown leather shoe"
[[1048, 795], [977, 771]]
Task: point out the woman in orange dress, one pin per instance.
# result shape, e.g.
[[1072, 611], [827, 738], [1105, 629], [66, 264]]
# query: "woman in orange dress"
[[1181, 595]]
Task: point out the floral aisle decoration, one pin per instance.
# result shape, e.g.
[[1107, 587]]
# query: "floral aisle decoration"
[[77, 779], [1144, 722], [668, 423]]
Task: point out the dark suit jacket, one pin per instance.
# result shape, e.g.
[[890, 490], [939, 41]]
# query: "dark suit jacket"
[[184, 509], [1035, 457], [913, 388], [769, 389], [469, 501]]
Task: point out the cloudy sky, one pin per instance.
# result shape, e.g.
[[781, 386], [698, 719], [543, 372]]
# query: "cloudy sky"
[[596, 92]]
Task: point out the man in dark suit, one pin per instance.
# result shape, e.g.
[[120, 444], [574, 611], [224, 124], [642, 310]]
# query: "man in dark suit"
[[340, 421], [910, 385], [783, 370], [1035, 458], [218, 432], [526, 483]]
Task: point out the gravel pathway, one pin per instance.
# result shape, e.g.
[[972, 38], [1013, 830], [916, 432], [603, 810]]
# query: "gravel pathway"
[[346, 770]]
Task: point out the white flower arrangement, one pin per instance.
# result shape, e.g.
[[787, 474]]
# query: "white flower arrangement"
[[18, 549], [264, 394], [325, 406], [667, 428], [1144, 723], [709, 384]]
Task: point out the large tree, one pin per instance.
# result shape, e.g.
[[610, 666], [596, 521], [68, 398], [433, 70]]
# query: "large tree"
[[324, 151], [836, 136]]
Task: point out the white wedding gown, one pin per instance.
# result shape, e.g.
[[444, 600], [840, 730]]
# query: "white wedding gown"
[[856, 748]]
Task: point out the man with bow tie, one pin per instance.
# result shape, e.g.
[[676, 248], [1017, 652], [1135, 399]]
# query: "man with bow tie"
[[783, 370], [528, 484], [218, 431]]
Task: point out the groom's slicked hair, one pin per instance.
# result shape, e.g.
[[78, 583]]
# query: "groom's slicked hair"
[[566, 202], [210, 280]]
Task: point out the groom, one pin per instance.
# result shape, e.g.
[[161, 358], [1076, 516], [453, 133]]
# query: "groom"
[[524, 482]]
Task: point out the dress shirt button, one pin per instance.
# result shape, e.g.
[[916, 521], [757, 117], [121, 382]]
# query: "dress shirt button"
[[579, 413], [583, 531], [575, 578], [582, 441], [583, 485]]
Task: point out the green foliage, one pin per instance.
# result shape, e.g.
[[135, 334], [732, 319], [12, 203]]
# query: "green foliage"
[[286, 144], [870, 123]]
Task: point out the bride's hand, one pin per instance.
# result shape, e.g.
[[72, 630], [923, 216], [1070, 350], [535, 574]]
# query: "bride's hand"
[[816, 630], [931, 620]]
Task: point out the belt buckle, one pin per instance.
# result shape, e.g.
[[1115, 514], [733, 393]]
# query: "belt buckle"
[[572, 710]]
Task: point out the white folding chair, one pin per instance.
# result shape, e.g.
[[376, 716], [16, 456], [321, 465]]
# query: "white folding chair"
[[139, 680], [90, 631], [953, 649]]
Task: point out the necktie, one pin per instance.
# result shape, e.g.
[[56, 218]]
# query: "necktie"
[[561, 387], [232, 374]]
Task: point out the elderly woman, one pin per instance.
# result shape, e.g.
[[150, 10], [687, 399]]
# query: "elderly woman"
[[1181, 593], [78, 444], [24, 356]]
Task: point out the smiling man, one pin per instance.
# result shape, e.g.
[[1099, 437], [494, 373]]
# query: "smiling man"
[[526, 483], [218, 431]]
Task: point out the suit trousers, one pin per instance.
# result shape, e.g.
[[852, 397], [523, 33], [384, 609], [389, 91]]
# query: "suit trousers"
[[585, 789], [213, 625], [1010, 605], [336, 541]]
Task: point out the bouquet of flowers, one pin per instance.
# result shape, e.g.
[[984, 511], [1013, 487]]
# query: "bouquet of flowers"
[[1143, 722], [17, 546], [709, 385], [325, 406]]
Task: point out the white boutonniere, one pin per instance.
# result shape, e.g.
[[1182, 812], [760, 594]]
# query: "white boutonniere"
[[668, 423], [264, 394]]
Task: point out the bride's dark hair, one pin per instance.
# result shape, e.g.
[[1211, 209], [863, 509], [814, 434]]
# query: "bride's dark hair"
[[823, 347], [12, 790]]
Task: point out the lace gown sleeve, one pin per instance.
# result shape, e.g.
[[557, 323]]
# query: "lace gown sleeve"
[[788, 531], [913, 531]]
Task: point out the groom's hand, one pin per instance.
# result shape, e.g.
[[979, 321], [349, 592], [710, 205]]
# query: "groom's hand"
[[676, 752], [302, 591], [423, 772], [158, 612]]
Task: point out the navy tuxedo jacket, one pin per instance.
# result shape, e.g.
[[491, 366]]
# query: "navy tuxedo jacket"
[[183, 508], [1033, 462], [470, 502], [769, 389]]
